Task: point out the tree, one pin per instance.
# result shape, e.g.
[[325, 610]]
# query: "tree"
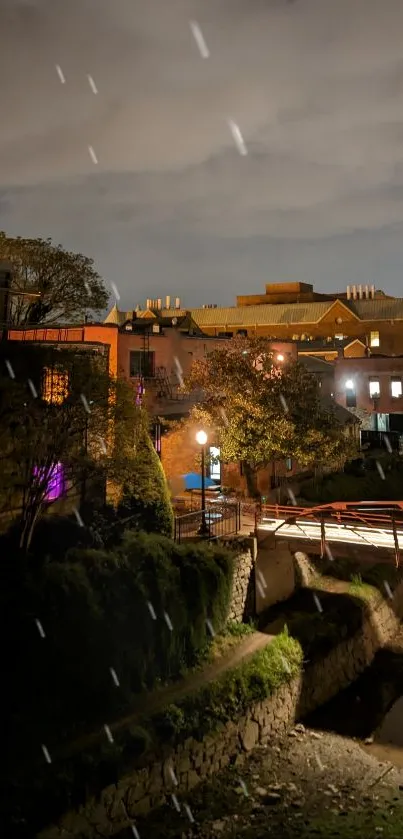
[[65, 427], [145, 499], [50, 284], [263, 410]]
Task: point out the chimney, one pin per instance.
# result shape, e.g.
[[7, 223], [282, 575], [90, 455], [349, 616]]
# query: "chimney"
[[366, 292], [167, 302], [360, 292], [372, 292], [348, 293], [159, 304], [177, 302], [354, 292], [148, 303]]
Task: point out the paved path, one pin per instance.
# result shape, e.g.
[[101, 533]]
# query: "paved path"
[[150, 703]]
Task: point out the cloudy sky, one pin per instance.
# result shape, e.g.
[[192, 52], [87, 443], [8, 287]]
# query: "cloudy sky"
[[171, 206]]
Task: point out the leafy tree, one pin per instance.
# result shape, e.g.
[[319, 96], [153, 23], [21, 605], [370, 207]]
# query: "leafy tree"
[[59, 406], [145, 499], [263, 410], [67, 283]]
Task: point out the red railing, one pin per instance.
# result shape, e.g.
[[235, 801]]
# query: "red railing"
[[379, 515]]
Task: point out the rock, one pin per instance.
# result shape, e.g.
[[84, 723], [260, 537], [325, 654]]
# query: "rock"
[[250, 735], [333, 789], [261, 791], [300, 728], [316, 735], [272, 798], [218, 826], [368, 741]]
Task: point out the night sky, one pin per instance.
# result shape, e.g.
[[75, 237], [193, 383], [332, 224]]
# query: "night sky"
[[172, 206]]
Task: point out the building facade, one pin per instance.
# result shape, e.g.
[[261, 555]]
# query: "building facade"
[[372, 389], [362, 316]]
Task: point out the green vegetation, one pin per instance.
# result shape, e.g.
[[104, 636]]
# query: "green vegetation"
[[263, 410], [367, 485], [145, 497], [53, 285]]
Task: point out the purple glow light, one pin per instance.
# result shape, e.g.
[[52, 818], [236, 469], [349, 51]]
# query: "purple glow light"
[[55, 482]]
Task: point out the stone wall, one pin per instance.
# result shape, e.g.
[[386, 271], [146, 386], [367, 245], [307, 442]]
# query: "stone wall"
[[243, 587], [191, 762]]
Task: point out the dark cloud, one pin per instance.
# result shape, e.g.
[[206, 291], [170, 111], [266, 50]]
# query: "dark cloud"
[[316, 87]]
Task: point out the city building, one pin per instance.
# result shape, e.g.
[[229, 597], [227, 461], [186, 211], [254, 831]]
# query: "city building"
[[372, 389], [358, 320]]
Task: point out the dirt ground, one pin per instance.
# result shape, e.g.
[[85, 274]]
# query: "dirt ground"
[[313, 784]]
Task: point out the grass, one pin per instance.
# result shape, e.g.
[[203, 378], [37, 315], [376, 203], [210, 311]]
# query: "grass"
[[375, 575], [358, 588]]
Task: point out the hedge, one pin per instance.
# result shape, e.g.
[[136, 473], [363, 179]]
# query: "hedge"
[[140, 612]]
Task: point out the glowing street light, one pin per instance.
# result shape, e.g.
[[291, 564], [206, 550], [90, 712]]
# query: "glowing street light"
[[280, 357], [349, 384], [201, 439]]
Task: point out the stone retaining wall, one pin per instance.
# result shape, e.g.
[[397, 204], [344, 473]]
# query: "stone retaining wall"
[[243, 587], [192, 762]]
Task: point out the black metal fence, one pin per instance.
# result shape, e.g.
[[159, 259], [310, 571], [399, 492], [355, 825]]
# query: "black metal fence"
[[221, 520]]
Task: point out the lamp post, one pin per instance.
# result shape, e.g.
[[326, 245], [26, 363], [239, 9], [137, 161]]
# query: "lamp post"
[[201, 439]]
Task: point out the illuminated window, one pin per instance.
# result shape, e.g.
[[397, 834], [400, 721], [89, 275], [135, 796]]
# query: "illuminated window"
[[295, 337], [339, 337], [215, 465], [55, 482], [396, 388], [374, 388], [374, 339], [55, 385], [351, 399]]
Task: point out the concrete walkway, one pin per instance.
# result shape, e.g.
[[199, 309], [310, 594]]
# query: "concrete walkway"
[[151, 703]]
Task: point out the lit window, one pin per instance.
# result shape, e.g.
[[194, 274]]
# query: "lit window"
[[374, 339], [215, 465], [351, 399], [374, 388], [396, 388], [295, 338], [288, 464], [339, 337], [55, 385]]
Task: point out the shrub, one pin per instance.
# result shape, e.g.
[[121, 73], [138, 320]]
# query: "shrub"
[[146, 500]]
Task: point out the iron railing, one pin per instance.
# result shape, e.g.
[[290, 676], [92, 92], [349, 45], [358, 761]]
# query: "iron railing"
[[221, 519]]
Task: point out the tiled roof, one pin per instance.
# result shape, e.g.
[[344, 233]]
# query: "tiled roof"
[[268, 314], [388, 309], [316, 365]]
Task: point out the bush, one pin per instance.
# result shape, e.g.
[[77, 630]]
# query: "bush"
[[146, 501], [139, 612], [368, 487]]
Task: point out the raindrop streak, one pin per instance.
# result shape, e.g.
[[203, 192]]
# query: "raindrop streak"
[[92, 155], [173, 776], [318, 603], [388, 443], [92, 84], [33, 389], [40, 628], [115, 291], [262, 579], [292, 496], [319, 762], [10, 369], [284, 403], [168, 621], [380, 470], [84, 400], [60, 73], [88, 288], [260, 588], [199, 38], [78, 517], [114, 677], [151, 610], [238, 139], [210, 627], [108, 733], [46, 754], [176, 803], [243, 786], [188, 812], [103, 445], [329, 553], [179, 371], [135, 831], [388, 589]]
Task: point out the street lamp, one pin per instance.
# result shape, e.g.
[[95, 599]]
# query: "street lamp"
[[201, 439]]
